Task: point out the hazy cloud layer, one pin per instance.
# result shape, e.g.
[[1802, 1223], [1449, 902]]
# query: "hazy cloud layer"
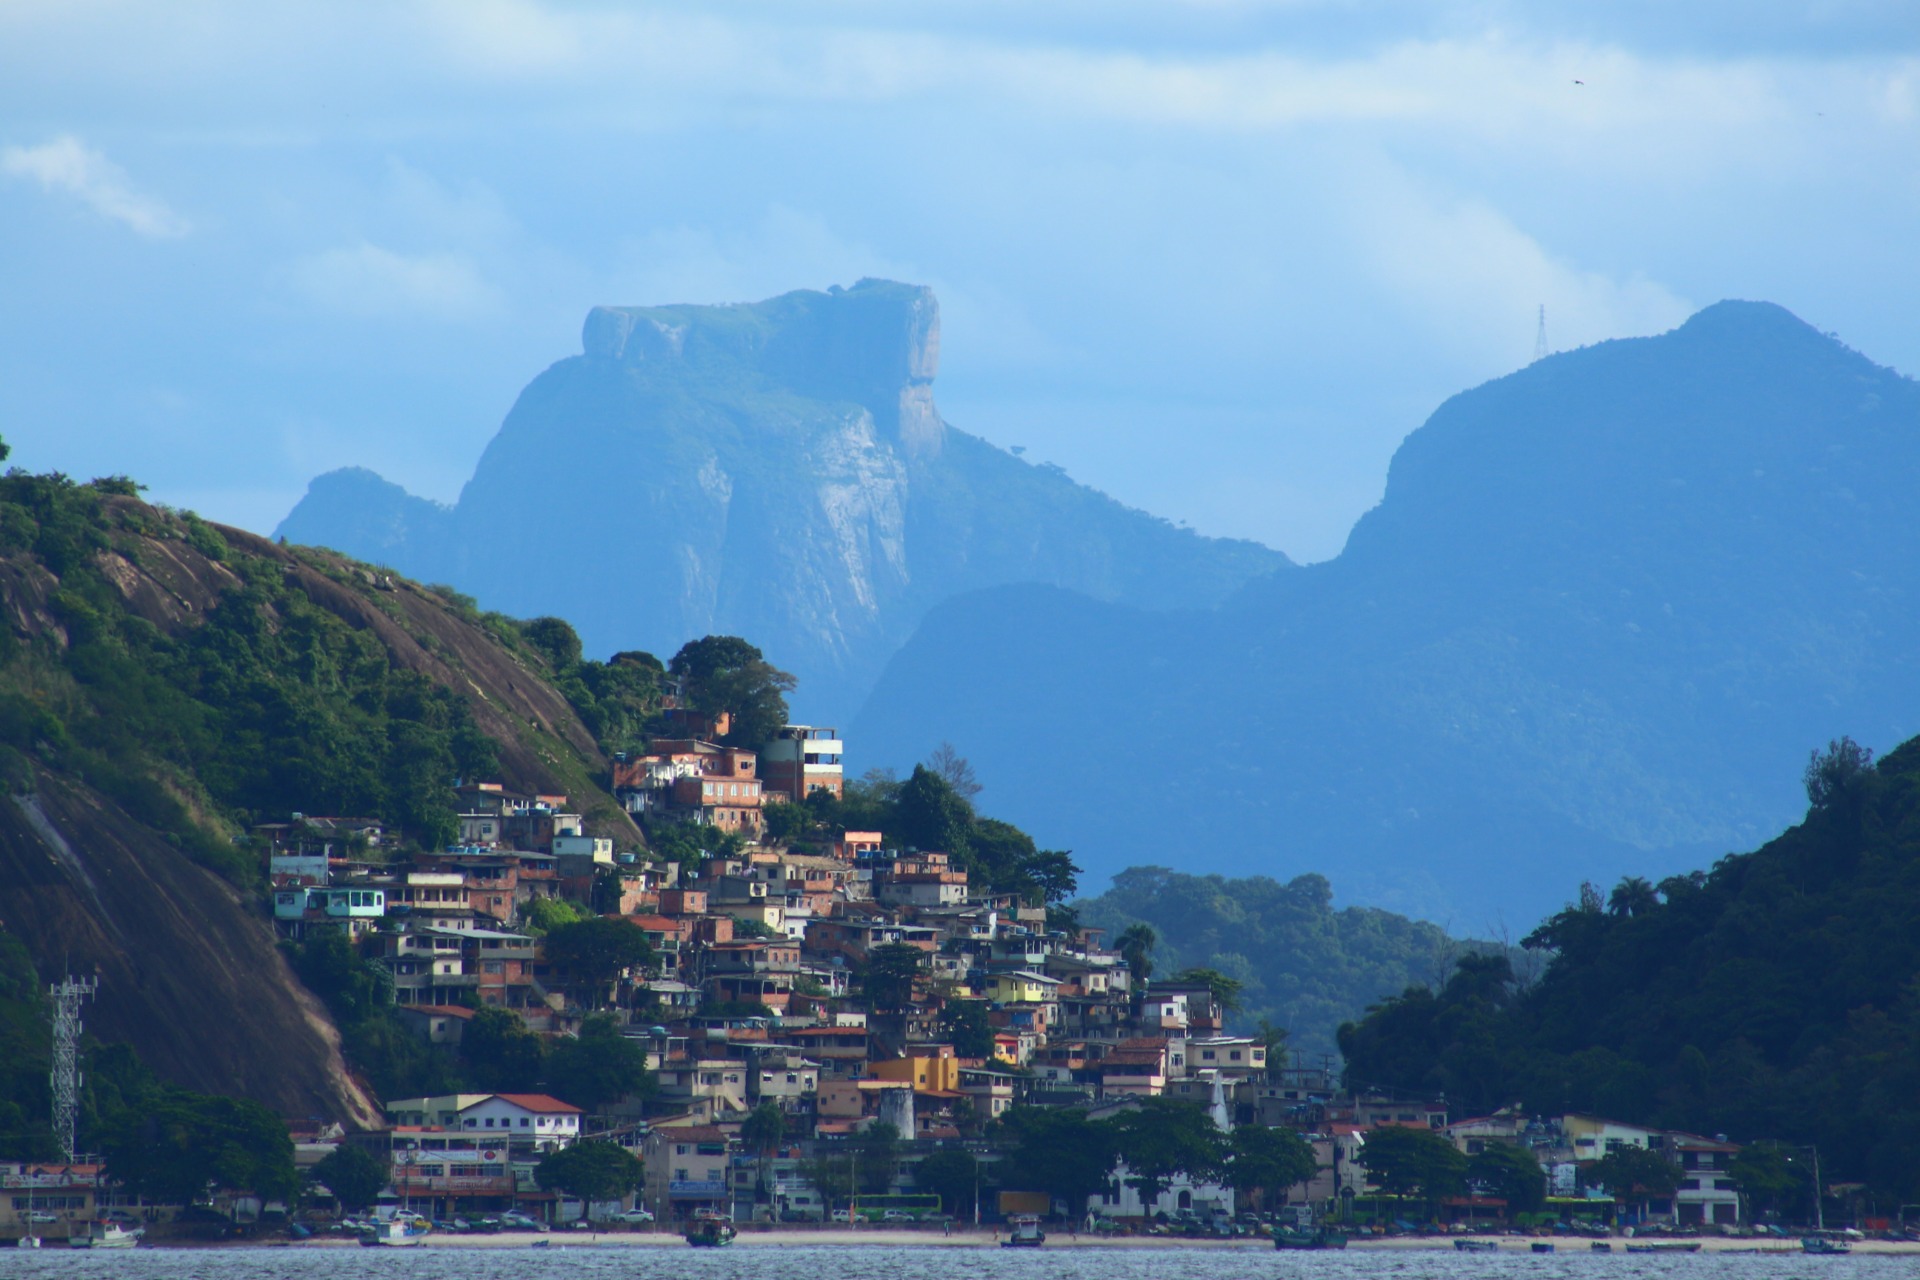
[[70, 167], [1218, 256]]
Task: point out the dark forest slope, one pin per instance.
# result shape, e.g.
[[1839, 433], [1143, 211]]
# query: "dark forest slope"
[[1775, 996]]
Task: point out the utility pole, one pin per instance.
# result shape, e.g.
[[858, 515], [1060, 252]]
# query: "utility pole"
[[1540, 335], [1819, 1212], [65, 1076]]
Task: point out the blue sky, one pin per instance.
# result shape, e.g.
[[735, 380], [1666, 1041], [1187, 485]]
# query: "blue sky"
[[1216, 258]]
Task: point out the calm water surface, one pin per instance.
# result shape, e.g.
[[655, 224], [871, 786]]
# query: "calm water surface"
[[882, 1263]]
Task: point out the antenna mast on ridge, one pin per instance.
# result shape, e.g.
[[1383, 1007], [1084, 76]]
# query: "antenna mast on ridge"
[[66, 1059], [1540, 336]]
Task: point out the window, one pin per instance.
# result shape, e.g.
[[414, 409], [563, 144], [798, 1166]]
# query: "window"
[[524, 1122]]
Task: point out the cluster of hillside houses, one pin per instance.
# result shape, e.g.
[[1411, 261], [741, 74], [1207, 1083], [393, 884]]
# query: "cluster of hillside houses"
[[730, 1022]]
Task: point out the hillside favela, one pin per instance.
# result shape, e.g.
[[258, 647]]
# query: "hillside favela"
[[582, 709]]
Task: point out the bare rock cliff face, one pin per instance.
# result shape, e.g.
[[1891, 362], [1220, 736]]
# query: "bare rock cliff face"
[[188, 971], [776, 470]]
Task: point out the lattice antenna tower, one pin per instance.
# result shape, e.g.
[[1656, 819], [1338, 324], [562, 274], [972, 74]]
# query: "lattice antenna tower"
[[66, 1058], [1540, 335]]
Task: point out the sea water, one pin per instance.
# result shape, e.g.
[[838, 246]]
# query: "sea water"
[[882, 1262]]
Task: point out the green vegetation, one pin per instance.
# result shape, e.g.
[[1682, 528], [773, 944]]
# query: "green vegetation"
[[1404, 1161], [271, 703], [928, 812], [590, 1170], [1299, 963], [354, 1174], [726, 675], [1775, 997]]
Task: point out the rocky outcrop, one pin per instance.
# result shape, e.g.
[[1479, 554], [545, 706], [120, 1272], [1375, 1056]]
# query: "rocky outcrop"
[[777, 471], [187, 968]]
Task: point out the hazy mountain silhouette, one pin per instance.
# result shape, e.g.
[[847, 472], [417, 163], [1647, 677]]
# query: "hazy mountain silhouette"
[[776, 471], [1604, 610]]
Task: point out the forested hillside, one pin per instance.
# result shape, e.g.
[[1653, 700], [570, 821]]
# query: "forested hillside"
[[165, 684], [1774, 996], [1303, 966]]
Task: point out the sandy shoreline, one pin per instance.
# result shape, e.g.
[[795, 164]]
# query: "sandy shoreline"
[[986, 1240]]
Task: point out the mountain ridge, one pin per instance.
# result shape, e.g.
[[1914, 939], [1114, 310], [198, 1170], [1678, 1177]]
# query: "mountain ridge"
[[1603, 603], [776, 469]]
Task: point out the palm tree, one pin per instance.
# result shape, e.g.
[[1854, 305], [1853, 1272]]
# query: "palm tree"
[[1633, 896], [1136, 946], [762, 1133]]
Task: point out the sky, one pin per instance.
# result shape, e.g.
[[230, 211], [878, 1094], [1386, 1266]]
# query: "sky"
[[1216, 258]]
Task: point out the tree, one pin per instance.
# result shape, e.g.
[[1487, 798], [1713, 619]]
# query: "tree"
[[764, 1129], [725, 674], [1225, 990], [965, 1025], [590, 1170], [1510, 1172], [878, 1150], [1405, 1161], [1276, 1039], [1136, 944], [762, 1133], [1163, 1138], [598, 1066], [1634, 1174], [931, 815], [502, 1055], [1838, 773], [597, 951], [955, 771], [1771, 1181], [544, 915], [1633, 896], [951, 1175], [354, 1175], [178, 1146], [555, 640], [1060, 1152], [1268, 1161], [1053, 875], [888, 978]]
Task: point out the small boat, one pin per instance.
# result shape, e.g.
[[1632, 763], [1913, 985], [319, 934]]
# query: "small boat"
[[27, 1242], [709, 1230], [1824, 1244], [1601, 1246], [1543, 1246], [1477, 1246], [1665, 1246], [1026, 1233], [1300, 1238], [398, 1232], [106, 1235]]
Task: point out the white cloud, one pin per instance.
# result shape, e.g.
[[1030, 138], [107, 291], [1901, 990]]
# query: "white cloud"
[[1475, 279], [68, 165], [367, 280]]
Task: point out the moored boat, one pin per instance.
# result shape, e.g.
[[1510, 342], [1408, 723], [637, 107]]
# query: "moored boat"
[[709, 1230], [1308, 1238], [106, 1235], [1026, 1233], [398, 1232], [1824, 1244], [1665, 1246], [1543, 1246], [1477, 1246]]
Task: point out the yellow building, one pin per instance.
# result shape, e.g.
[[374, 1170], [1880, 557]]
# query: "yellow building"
[[926, 1075]]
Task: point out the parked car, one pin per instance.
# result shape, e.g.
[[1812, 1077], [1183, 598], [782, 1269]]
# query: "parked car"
[[896, 1215], [799, 1215], [842, 1215], [636, 1215], [41, 1216]]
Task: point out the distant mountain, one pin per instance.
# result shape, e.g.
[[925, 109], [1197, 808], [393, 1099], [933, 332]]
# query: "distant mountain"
[[1604, 610], [776, 471]]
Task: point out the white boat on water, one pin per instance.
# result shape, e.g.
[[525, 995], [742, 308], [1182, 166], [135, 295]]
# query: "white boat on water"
[[398, 1232], [106, 1235]]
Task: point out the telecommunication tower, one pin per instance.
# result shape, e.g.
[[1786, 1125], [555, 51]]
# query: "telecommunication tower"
[[1540, 335], [67, 996]]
